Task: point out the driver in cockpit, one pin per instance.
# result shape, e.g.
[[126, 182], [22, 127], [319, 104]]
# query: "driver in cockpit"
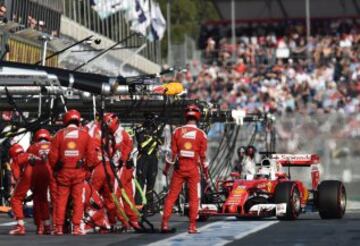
[[269, 170]]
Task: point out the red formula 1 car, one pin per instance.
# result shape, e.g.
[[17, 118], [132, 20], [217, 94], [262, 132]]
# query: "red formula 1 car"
[[273, 193]]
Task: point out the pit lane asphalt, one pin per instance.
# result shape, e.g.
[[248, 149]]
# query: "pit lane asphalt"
[[309, 229]]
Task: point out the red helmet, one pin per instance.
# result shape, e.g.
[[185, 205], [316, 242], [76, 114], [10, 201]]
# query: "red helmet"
[[70, 115], [193, 111], [111, 121], [41, 134], [15, 150]]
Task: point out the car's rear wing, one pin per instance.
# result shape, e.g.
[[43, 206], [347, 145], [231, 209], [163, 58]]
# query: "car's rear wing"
[[301, 160]]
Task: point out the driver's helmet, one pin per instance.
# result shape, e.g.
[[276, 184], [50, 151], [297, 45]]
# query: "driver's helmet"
[[263, 173]]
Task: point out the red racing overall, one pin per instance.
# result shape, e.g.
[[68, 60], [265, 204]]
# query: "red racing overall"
[[67, 157], [121, 147], [188, 145], [94, 209], [36, 176], [102, 180]]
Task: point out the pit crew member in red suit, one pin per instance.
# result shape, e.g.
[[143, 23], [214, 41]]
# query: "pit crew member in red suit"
[[95, 215], [99, 180], [18, 160], [67, 159], [188, 146], [121, 145], [36, 176]]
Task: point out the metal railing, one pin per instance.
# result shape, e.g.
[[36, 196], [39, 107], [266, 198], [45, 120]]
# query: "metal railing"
[[34, 15], [23, 50]]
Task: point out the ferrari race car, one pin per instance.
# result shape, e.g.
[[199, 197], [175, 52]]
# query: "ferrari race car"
[[272, 192]]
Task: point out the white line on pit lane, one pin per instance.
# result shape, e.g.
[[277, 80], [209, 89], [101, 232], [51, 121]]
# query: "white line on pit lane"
[[217, 233], [9, 223]]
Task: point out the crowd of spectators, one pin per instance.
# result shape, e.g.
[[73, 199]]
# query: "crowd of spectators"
[[276, 70]]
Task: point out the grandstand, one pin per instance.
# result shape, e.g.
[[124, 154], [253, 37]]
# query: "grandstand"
[[276, 63]]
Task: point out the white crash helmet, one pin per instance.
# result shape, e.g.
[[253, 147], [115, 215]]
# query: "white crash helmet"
[[263, 172]]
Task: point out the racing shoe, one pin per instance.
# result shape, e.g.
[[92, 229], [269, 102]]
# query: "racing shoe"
[[77, 231], [59, 230], [135, 225], [166, 229], [18, 230], [192, 228], [40, 229]]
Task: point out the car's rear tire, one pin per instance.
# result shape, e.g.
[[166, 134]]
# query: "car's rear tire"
[[331, 199], [288, 192]]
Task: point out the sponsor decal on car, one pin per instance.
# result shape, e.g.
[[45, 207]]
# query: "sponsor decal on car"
[[239, 191], [281, 209]]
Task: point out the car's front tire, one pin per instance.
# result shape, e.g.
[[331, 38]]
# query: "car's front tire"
[[288, 193]]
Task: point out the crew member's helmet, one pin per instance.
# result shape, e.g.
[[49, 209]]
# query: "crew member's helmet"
[[42, 134], [72, 116], [15, 150], [192, 112], [111, 121]]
